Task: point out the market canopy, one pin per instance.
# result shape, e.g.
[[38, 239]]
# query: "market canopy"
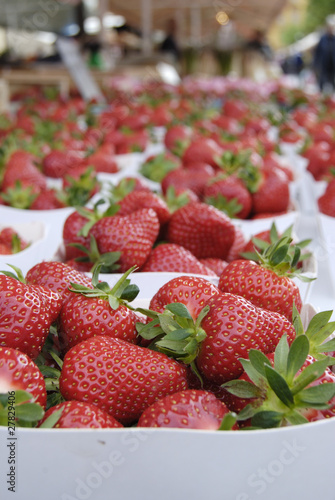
[[198, 18]]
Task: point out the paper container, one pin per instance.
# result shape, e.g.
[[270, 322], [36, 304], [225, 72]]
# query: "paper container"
[[326, 248]]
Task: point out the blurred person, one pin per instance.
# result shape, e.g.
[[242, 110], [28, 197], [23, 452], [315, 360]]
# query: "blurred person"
[[324, 58], [169, 45], [258, 62], [259, 44]]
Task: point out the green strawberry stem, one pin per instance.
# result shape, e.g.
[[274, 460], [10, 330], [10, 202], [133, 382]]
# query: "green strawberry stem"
[[121, 293], [108, 261], [27, 412]]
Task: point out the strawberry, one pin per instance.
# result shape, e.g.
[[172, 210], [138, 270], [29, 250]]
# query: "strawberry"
[[177, 138], [73, 225], [268, 285], [192, 291], [326, 202], [57, 277], [55, 163], [230, 188], [47, 199], [79, 415], [21, 167], [226, 328], [120, 378], [20, 195], [98, 311], [139, 199], [202, 229], [19, 372], [288, 387], [189, 409], [172, 258], [12, 240], [194, 179], [79, 186], [273, 194], [5, 249], [202, 150], [103, 159], [237, 246], [25, 319], [133, 235]]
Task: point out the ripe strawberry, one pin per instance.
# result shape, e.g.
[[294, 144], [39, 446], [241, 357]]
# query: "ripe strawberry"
[[137, 200], [133, 235], [273, 194], [268, 284], [98, 311], [5, 249], [47, 199], [103, 159], [194, 179], [25, 317], [21, 167], [120, 378], [226, 328], [79, 415], [237, 246], [202, 150], [73, 225], [12, 240], [55, 163], [19, 372], [326, 202], [202, 229], [230, 188], [192, 291], [190, 409], [57, 277], [177, 138], [172, 258]]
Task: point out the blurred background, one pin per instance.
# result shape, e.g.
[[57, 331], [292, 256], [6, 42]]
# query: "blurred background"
[[259, 39]]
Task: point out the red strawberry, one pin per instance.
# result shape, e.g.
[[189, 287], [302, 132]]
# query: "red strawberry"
[[133, 235], [98, 311], [326, 202], [192, 291], [19, 372], [231, 188], [237, 246], [273, 194], [103, 159], [78, 415], [172, 258], [47, 199], [120, 378], [202, 150], [25, 317], [73, 224], [12, 240], [190, 409], [194, 179], [55, 164], [202, 229], [57, 277], [21, 167], [5, 249], [261, 286], [139, 199], [177, 138]]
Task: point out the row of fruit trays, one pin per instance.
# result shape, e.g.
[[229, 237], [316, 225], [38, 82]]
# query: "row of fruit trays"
[[161, 267]]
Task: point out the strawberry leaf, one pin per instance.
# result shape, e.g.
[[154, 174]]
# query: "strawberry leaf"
[[310, 374], [266, 419], [242, 389], [319, 394], [295, 418], [258, 361], [228, 422], [52, 420], [297, 356], [281, 356], [179, 310], [279, 386]]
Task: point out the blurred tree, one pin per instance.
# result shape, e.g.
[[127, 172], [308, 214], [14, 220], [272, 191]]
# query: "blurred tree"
[[317, 11]]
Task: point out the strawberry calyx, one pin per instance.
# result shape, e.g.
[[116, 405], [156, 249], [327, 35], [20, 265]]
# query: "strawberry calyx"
[[282, 257], [79, 191], [106, 261], [120, 191], [175, 201], [174, 332], [280, 393], [240, 164], [17, 275], [19, 196], [229, 207], [319, 333], [122, 292], [157, 167]]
